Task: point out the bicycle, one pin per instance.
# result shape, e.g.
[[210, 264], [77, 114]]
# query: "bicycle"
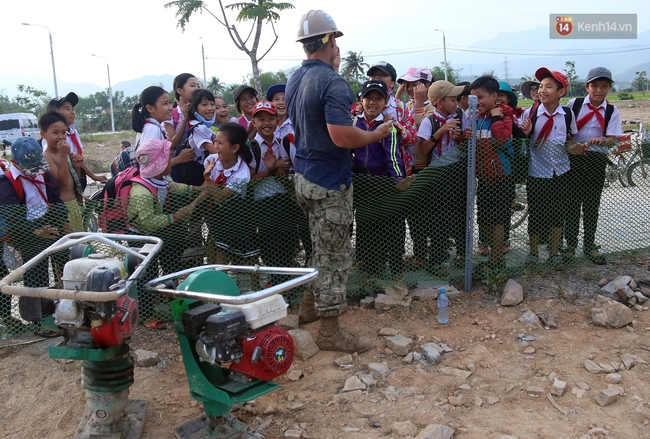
[[624, 156], [637, 173]]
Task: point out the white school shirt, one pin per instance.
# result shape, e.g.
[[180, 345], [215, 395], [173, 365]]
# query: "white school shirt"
[[551, 157], [237, 177], [152, 129], [268, 186], [199, 136], [283, 130], [71, 132], [592, 128], [446, 143], [34, 202]]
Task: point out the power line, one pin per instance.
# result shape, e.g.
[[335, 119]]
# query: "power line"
[[511, 52]]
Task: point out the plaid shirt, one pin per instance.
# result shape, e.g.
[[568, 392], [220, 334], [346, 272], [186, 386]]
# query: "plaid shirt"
[[125, 159]]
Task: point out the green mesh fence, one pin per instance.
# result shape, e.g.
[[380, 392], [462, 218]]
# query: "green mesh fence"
[[410, 236]]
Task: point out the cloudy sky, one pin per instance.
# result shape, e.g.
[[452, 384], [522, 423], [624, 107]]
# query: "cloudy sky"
[[141, 37]]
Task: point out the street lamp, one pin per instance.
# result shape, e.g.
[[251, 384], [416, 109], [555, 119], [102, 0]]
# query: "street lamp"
[[205, 79], [56, 88], [110, 90], [444, 51]]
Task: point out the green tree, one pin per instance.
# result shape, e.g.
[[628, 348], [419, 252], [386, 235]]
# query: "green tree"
[[640, 83], [32, 100], [354, 67], [215, 86], [256, 11], [267, 79], [572, 77], [453, 74]]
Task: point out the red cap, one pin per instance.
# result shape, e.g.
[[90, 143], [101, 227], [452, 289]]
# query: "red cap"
[[558, 76], [264, 105]]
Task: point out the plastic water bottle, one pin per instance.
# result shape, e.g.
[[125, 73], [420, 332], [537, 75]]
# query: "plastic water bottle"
[[443, 307]]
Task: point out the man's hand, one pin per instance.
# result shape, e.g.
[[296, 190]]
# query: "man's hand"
[[384, 129]]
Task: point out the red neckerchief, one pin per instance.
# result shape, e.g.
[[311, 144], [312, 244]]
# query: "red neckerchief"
[[594, 112], [447, 136], [546, 129], [76, 142], [37, 184], [164, 133], [221, 179]]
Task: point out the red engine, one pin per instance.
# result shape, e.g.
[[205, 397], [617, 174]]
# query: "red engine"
[[267, 354], [120, 327]]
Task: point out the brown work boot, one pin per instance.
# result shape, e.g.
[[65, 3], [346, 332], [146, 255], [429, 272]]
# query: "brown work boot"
[[331, 337], [306, 311]]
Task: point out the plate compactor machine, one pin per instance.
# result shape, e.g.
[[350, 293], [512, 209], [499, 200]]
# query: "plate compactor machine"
[[231, 344]]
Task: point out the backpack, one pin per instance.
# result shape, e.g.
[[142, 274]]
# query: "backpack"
[[435, 126], [189, 172], [18, 186], [114, 200], [257, 151], [609, 110]]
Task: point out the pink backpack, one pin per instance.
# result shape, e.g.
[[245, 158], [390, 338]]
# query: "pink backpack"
[[114, 200]]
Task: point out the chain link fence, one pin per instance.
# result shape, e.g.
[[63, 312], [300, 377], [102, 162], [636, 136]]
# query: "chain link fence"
[[592, 208]]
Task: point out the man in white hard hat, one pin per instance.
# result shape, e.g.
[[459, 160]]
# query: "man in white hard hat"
[[319, 102]]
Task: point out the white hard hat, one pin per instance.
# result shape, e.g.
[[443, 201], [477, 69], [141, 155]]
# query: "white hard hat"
[[316, 22]]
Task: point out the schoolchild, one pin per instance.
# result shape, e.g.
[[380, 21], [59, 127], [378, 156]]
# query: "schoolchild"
[[200, 137], [30, 203], [509, 98], [530, 90], [416, 83], [275, 94], [272, 202], [493, 168], [222, 112], [598, 124], [231, 228], [440, 136], [551, 135], [463, 98], [149, 211], [378, 168], [245, 98], [57, 154], [152, 110], [184, 85], [402, 118], [65, 105]]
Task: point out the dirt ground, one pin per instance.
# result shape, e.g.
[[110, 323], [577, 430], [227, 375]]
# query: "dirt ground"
[[42, 397]]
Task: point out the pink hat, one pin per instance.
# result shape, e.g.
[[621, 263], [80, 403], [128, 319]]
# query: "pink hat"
[[153, 157], [416, 74], [558, 76]]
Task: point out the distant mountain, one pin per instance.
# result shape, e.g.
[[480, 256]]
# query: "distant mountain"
[[623, 56], [135, 86]]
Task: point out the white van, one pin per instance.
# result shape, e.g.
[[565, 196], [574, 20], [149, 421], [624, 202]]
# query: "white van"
[[15, 125]]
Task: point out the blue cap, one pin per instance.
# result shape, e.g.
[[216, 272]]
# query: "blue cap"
[[27, 152], [275, 88]]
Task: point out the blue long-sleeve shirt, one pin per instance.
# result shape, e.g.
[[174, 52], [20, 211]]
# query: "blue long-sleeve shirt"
[[378, 158]]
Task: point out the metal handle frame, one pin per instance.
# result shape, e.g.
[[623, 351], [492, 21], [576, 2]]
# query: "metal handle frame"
[[305, 275], [72, 240]]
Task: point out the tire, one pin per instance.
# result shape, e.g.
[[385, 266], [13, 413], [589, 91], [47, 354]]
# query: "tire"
[[622, 178], [639, 174]]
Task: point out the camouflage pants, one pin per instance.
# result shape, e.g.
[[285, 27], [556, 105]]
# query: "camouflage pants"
[[330, 218]]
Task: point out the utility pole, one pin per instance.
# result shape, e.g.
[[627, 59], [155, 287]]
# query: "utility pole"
[[505, 67]]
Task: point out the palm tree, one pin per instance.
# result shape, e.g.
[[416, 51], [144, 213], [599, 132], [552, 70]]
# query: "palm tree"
[[215, 86], [256, 11], [354, 67]]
